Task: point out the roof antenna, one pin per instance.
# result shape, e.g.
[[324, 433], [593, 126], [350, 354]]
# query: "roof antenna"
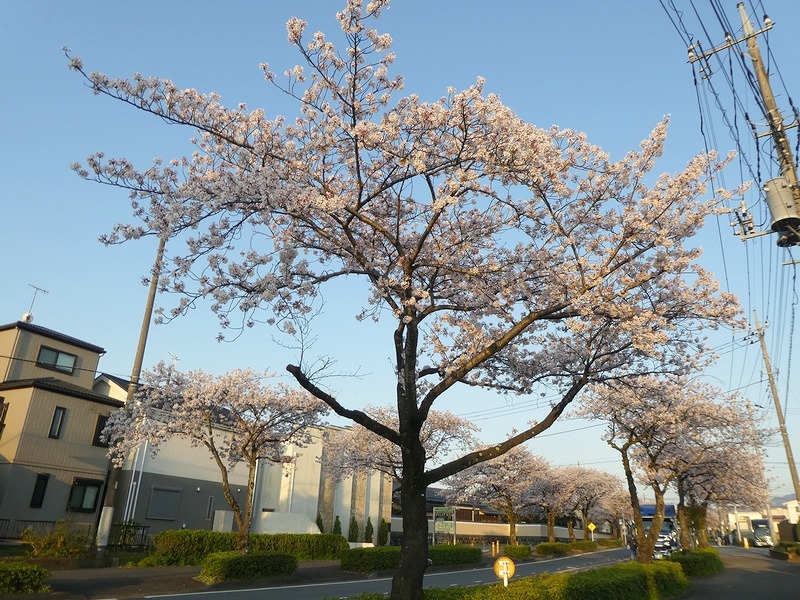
[[28, 316]]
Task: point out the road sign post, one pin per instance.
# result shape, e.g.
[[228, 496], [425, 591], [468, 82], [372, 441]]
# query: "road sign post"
[[504, 568]]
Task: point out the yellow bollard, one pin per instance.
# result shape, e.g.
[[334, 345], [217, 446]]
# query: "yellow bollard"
[[746, 542]]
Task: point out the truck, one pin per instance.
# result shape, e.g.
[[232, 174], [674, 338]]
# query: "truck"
[[762, 534], [668, 539]]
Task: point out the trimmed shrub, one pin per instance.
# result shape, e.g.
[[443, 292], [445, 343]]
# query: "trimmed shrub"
[[320, 523], [517, 552], [191, 547], [369, 531], [700, 563], [303, 546], [352, 531], [551, 548], [65, 539], [383, 532], [224, 566], [22, 578], [459, 554], [609, 543], [668, 580], [337, 526], [369, 560], [583, 546], [386, 558], [632, 581]]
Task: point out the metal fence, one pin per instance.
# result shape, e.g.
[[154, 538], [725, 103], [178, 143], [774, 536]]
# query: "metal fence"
[[129, 535], [11, 529]]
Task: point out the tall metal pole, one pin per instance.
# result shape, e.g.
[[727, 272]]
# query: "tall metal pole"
[[781, 422], [107, 513]]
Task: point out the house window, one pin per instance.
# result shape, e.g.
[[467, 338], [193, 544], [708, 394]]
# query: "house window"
[[56, 360], [84, 495], [3, 412], [210, 508], [163, 503], [57, 422], [97, 439], [39, 488]]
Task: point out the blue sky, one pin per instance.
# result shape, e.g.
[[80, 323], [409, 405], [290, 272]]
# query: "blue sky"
[[612, 70]]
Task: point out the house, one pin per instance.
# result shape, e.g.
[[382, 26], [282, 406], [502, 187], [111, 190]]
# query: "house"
[[180, 487], [52, 462]]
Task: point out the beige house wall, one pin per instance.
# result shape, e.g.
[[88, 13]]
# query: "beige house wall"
[[24, 346]]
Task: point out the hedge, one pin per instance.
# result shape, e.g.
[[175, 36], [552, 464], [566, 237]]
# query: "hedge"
[[224, 566], [628, 581], [386, 558], [21, 577], [700, 563], [610, 543], [191, 547], [551, 548], [517, 552], [583, 546]]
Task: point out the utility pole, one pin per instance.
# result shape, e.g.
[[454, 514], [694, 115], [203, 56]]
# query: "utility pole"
[[782, 192], [107, 512], [781, 422]]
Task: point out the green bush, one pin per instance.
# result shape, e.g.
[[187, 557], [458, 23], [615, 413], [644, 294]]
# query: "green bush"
[[320, 525], [517, 552], [609, 543], [383, 532], [191, 547], [337, 526], [322, 546], [369, 531], [369, 560], [459, 554], [224, 566], [22, 578], [65, 539], [583, 546], [352, 531], [551, 548], [700, 563]]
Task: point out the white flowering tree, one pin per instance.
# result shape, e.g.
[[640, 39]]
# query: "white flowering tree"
[[731, 473], [234, 416], [590, 489], [359, 450], [505, 483], [507, 257], [662, 428]]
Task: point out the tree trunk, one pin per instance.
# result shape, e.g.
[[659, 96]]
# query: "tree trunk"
[[683, 521], [702, 525], [571, 530], [407, 581], [551, 525]]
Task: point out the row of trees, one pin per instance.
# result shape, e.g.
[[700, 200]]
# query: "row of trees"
[[505, 256]]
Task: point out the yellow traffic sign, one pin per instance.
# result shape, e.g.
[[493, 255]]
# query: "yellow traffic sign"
[[592, 526], [504, 568]]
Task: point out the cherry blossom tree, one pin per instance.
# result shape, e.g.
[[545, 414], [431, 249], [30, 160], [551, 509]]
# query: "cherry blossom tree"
[[234, 416], [590, 488], [661, 427], [505, 256], [506, 483], [359, 450]]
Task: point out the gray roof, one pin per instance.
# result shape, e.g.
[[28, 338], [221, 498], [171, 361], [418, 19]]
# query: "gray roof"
[[53, 335], [51, 384]]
